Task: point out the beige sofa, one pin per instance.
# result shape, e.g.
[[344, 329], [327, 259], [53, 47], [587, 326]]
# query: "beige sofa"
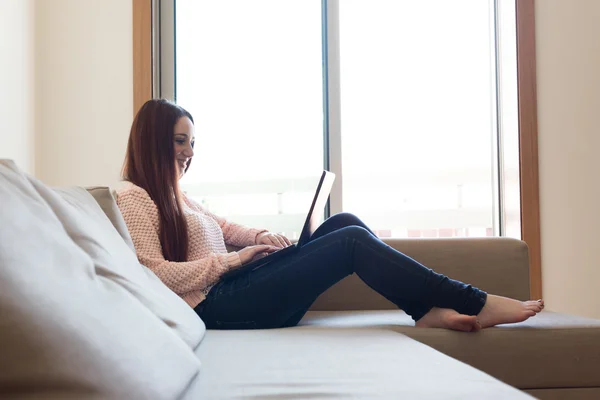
[[80, 318]]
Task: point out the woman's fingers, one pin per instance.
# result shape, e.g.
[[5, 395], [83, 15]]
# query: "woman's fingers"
[[281, 241], [278, 242], [267, 248], [286, 240], [274, 239], [270, 239]]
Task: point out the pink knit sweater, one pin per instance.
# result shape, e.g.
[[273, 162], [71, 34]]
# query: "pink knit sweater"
[[208, 233]]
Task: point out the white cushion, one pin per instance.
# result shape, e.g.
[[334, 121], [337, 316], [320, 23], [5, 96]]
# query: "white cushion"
[[106, 200], [74, 322], [89, 227]]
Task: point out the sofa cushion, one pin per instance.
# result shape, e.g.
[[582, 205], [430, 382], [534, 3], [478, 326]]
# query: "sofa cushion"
[[566, 393], [550, 350], [88, 226], [328, 363], [68, 330], [106, 200]]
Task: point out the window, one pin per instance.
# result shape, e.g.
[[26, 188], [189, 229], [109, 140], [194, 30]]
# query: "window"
[[250, 72], [411, 103]]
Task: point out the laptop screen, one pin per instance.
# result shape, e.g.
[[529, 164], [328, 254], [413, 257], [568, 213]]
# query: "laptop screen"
[[317, 207]]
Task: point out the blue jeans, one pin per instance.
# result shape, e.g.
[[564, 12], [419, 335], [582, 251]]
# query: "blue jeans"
[[279, 294]]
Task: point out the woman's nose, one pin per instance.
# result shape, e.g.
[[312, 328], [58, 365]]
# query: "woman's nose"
[[189, 152]]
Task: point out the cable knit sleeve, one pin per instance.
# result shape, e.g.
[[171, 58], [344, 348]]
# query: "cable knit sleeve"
[[141, 216], [234, 234]]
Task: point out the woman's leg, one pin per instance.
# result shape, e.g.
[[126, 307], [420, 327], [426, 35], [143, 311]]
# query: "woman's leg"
[[497, 309], [377, 281], [279, 293]]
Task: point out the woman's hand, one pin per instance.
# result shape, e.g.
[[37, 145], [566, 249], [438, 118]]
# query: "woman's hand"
[[273, 239], [247, 254]]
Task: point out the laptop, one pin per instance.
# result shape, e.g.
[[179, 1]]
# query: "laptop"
[[310, 226]]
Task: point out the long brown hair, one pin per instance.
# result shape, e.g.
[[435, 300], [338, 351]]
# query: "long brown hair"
[[150, 164]]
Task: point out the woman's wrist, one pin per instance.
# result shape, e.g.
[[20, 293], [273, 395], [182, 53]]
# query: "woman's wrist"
[[233, 259]]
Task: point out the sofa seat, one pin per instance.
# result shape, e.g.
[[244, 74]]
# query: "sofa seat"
[[332, 363], [518, 354]]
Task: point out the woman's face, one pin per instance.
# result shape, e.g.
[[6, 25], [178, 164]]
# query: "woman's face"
[[184, 144]]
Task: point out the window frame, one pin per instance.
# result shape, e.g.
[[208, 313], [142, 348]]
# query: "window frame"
[[146, 61]]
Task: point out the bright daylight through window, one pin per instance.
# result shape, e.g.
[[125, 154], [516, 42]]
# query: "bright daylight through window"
[[425, 142]]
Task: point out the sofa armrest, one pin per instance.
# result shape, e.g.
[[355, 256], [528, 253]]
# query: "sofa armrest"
[[496, 265]]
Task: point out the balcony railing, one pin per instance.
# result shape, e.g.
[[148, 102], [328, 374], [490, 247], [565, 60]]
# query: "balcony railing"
[[390, 204]]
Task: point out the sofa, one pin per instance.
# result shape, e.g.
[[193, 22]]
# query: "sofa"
[[80, 318]]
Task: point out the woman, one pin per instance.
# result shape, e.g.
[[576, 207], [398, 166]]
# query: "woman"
[[184, 245]]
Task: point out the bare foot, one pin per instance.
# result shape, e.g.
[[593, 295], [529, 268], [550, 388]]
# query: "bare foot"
[[449, 319], [503, 310]]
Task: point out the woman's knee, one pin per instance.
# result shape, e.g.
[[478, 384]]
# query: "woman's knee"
[[357, 232], [348, 219], [339, 222]]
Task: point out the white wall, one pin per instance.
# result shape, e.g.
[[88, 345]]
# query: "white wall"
[[17, 114], [84, 90], [568, 73]]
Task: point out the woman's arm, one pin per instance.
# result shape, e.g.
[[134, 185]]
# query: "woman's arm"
[[234, 234], [141, 216]]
